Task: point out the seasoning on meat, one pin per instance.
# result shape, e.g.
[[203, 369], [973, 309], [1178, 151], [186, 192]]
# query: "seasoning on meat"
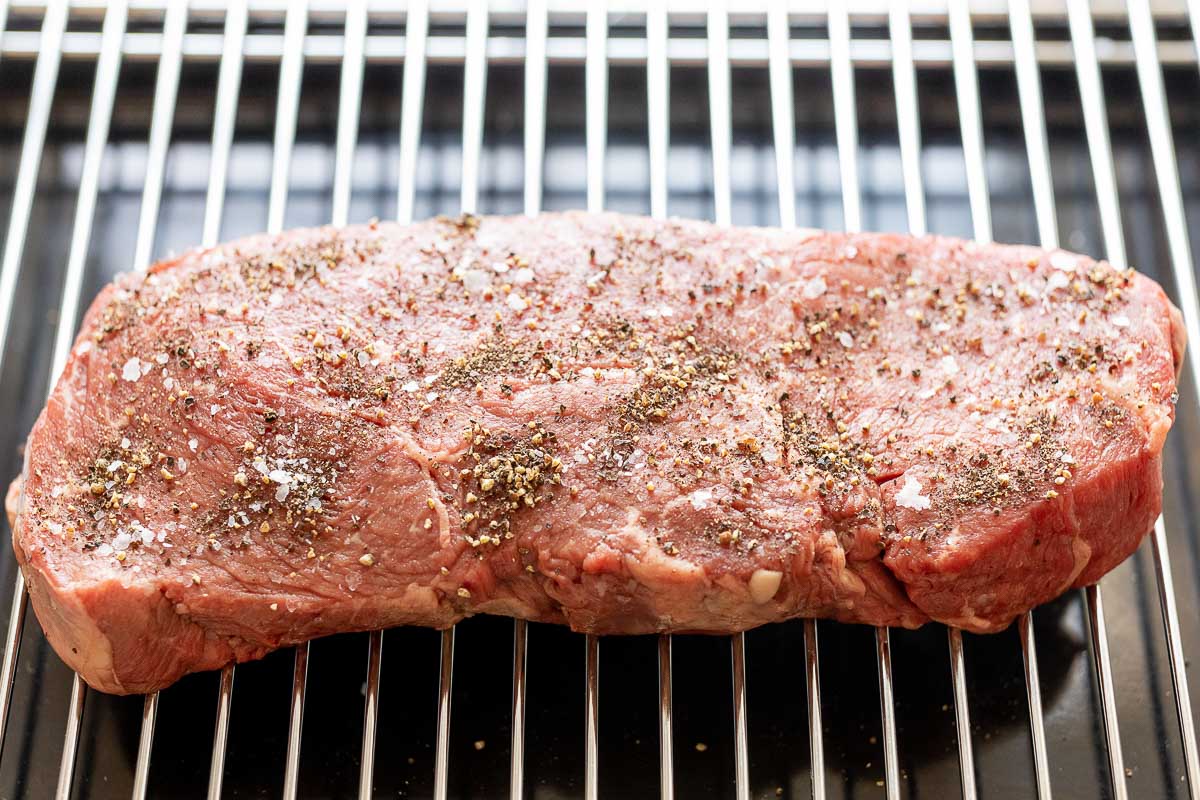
[[620, 424]]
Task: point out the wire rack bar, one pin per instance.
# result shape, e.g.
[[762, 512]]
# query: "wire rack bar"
[[441, 770], [596, 79], [228, 88], [535, 143], [412, 102], [845, 116], [216, 772], [474, 97], [720, 113], [535, 140], [45, 76], [1033, 116], [506, 48], [783, 122], [1108, 704], [962, 718], [1183, 706], [1104, 173], [658, 120], [366, 764], [971, 121], [591, 718], [166, 89], [291, 71], [349, 108], [349, 102], [1029, 90], [1162, 146], [596, 89], [1193, 17], [66, 765], [721, 132], [291, 764], [99, 119], [846, 132], [904, 76], [1095, 120], [887, 711], [516, 763], [666, 775], [1033, 695], [816, 733], [782, 114], [658, 87]]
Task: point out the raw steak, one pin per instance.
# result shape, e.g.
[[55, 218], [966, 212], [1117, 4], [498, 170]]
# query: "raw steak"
[[620, 424]]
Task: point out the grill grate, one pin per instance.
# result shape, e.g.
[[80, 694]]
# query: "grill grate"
[[470, 40]]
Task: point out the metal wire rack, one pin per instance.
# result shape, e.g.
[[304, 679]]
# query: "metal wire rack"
[[936, 50]]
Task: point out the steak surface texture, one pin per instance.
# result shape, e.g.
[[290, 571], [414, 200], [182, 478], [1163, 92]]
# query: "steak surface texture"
[[619, 424]]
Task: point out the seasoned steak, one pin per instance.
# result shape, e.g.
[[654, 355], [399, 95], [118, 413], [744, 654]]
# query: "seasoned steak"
[[619, 424]]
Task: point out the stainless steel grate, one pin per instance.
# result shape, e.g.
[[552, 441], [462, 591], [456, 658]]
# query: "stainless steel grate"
[[941, 56]]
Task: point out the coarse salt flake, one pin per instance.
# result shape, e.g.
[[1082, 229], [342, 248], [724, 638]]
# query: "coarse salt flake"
[[523, 276], [910, 495], [949, 365], [1064, 261], [1120, 321], [193, 444], [846, 339], [411, 386], [132, 370], [814, 288], [516, 302], [280, 476], [701, 499], [363, 358], [476, 280], [1057, 280]]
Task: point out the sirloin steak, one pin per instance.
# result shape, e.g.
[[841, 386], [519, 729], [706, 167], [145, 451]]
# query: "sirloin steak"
[[620, 424]]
